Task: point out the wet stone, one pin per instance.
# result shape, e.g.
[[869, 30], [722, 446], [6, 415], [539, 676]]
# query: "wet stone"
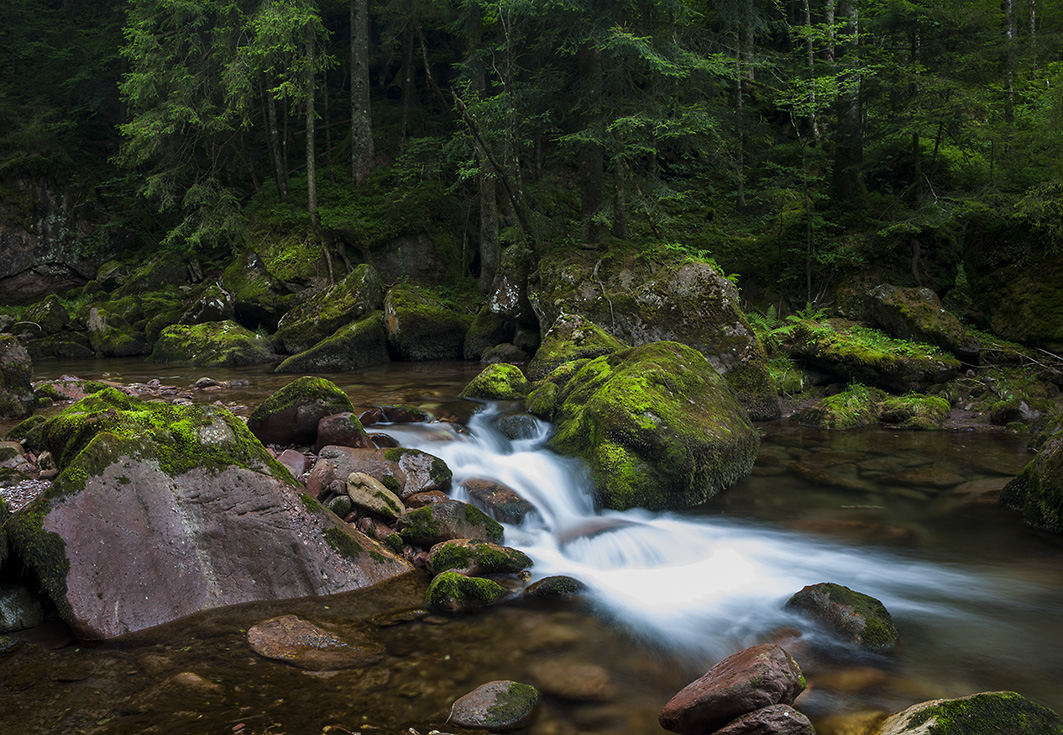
[[778, 719], [496, 706], [302, 644], [572, 680]]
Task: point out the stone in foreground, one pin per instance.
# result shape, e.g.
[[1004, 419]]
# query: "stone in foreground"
[[749, 680], [302, 644], [778, 719], [987, 713], [496, 706]]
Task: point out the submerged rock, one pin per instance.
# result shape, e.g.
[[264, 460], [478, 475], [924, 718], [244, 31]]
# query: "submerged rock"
[[496, 706], [778, 719], [291, 415], [302, 644], [987, 713], [854, 616], [573, 680], [756, 677], [658, 425]]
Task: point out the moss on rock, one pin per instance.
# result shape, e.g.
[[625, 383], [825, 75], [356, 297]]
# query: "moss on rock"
[[499, 382], [986, 713], [353, 346], [452, 592], [291, 414], [321, 314], [914, 411], [212, 344], [421, 326], [1037, 492], [477, 557], [16, 368], [571, 338], [859, 618], [658, 425], [852, 408]]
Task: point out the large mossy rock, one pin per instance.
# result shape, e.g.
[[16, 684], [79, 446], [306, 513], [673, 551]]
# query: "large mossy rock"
[[917, 314], [1014, 277], [161, 511], [209, 303], [421, 327], [112, 336], [291, 415], [569, 339], [49, 315], [16, 368], [162, 271], [321, 314], [658, 425], [1037, 492], [352, 347], [681, 301], [499, 382], [987, 713], [213, 344], [853, 616]]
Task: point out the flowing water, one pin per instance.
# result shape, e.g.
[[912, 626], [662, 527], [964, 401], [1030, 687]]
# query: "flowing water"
[[974, 593]]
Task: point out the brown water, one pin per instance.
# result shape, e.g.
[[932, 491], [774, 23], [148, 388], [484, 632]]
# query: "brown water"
[[199, 676]]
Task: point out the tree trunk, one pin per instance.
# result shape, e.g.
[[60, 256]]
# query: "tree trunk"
[[813, 123], [591, 155], [409, 88], [361, 114], [1010, 31], [328, 126], [620, 201], [311, 163], [847, 179], [276, 149]]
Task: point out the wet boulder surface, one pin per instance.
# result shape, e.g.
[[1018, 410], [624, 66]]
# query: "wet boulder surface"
[[291, 415], [161, 511], [852, 616], [1037, 492], [986, 713]]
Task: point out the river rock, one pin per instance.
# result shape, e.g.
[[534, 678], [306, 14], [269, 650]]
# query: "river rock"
[[445, 521], [1037, 492], [500, 502], [162, 510], [925, 477], [302, 644], [369, 494], [335, 464], [778, 719], [213, 344], [572, 680], [291, 415], [986, 713], [496, 706], [859, 532], [568, 339], [853, 616], [746, 681], [420, 500], [658, 426], [19, 608], [112, 336], [451, 592], [917, 314], [212, 304], [499, 382], [476, 557], [296, 462], [322, 313], [342, 430], [16, 368], [423, 472], [420, 327], [351, 347], [555, 586]]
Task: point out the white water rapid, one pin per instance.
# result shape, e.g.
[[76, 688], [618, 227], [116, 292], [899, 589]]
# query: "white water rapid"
[[701, 585]]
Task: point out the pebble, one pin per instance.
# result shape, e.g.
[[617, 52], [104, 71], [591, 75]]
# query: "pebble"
[[19, 496]]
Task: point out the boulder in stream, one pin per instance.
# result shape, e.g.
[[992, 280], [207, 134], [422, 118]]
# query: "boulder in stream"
[[291, 415], [451, 592], [498, 382], [323, 312], [353, 346], [302, 644], [777, 719], [211, 344], [421, 327], [496, 706], [500, 502], [1037, 492], [476, 557], [854, 616], [452, 519], [986, 713]]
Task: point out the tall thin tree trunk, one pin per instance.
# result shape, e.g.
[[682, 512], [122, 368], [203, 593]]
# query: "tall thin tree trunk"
[[829, 7], [328, 126], [740, 198], [847, 179], [813, 123], [1010, 32], [276, 148], [311, 162], [408, 74], [361, 113], [1032, 27], [591, 155]]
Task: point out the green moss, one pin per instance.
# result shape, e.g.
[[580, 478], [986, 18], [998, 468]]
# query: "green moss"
[[499, 382], [489, 557], [304, 390], [989, 713], [394, 542], [542, 401], [879, 633], [852, 408], [45, 551], [451, 592], [343, 543], [571, 338], [915, 411], [311, 504], [391, 483], [513, 706], [212, 344], [29, 429]]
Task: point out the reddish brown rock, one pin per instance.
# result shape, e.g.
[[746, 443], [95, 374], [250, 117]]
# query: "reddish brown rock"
[[420, 500], [301, 643], [499, 501], [296, 462], [337, 464], [342, 430], [757, 677], [778, 719]]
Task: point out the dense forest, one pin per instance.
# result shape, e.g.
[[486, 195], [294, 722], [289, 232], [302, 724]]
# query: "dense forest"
[[789, 141]]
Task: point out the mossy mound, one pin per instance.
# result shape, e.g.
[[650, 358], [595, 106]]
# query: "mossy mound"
[[914, 411], [450, 519], [291, 415], [259, 297], [451, 592], [986, 713], [165, 270], [1037, 492], [852, 408], [213, 344], [501, 382], [917, 314], [863, 355], [16, 368], [555, 586], [29, 430], [50, 315], [853, 616], [353, 346], [112, 336], [421, 326], [321, 314], [571, 338], [658, 425], [487, 330], [476, 557]]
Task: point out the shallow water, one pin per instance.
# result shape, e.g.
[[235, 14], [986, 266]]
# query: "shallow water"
[[975, 594]]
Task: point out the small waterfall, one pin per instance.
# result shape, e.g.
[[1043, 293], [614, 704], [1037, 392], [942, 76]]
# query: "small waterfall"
[[702, 585]]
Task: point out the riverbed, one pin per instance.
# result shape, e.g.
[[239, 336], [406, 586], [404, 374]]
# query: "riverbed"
[[974, 593]]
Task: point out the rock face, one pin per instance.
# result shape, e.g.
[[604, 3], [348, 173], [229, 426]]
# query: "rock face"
[[291, 415], [161, 511], [420, 327], [987, 713], [687, 302], [496, 706], [917, 314], [853, 616], [212, 344], [657, 424], [352, 347], [302, 644], [320, 315], [757, 677], [16, 393], [1037, 492]]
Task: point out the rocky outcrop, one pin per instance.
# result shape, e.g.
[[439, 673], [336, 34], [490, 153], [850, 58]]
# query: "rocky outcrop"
[[420, 327], [291, 415], [319, 316], [852, 616], [16, 368], [155, 509], [1037, 492], [987, 713], [352, 347], [211, 303], [213, 344], [917, 314], [658, 425]]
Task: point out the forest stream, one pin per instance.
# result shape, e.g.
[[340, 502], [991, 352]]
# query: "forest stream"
[[972, 590]]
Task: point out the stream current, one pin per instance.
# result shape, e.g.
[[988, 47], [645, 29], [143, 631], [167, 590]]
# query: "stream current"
[[975, 594]]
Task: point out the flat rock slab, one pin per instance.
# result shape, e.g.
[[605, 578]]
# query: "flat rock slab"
[[749, 680], [301, 643], [496, 706]]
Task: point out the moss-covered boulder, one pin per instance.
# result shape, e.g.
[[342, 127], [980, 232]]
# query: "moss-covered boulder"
[[569, 339], [209, 303], [451, 592], [859, 354], [153, 512], [49, 315], [16, 368], [855, 407], [476, 557], [853, 616], [291, 415], [496, 706], [422, 472], [369, 494], [166, 269], [915, 411], [422, 327], [678, 300], [259, 297], [353, 346], [112, 336], [500, 382], [1037, 492], [658, 425], [213, 344], [917, 314], [64, 345], [318, 316], [986, 713], [486, 331], [448, 520]]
